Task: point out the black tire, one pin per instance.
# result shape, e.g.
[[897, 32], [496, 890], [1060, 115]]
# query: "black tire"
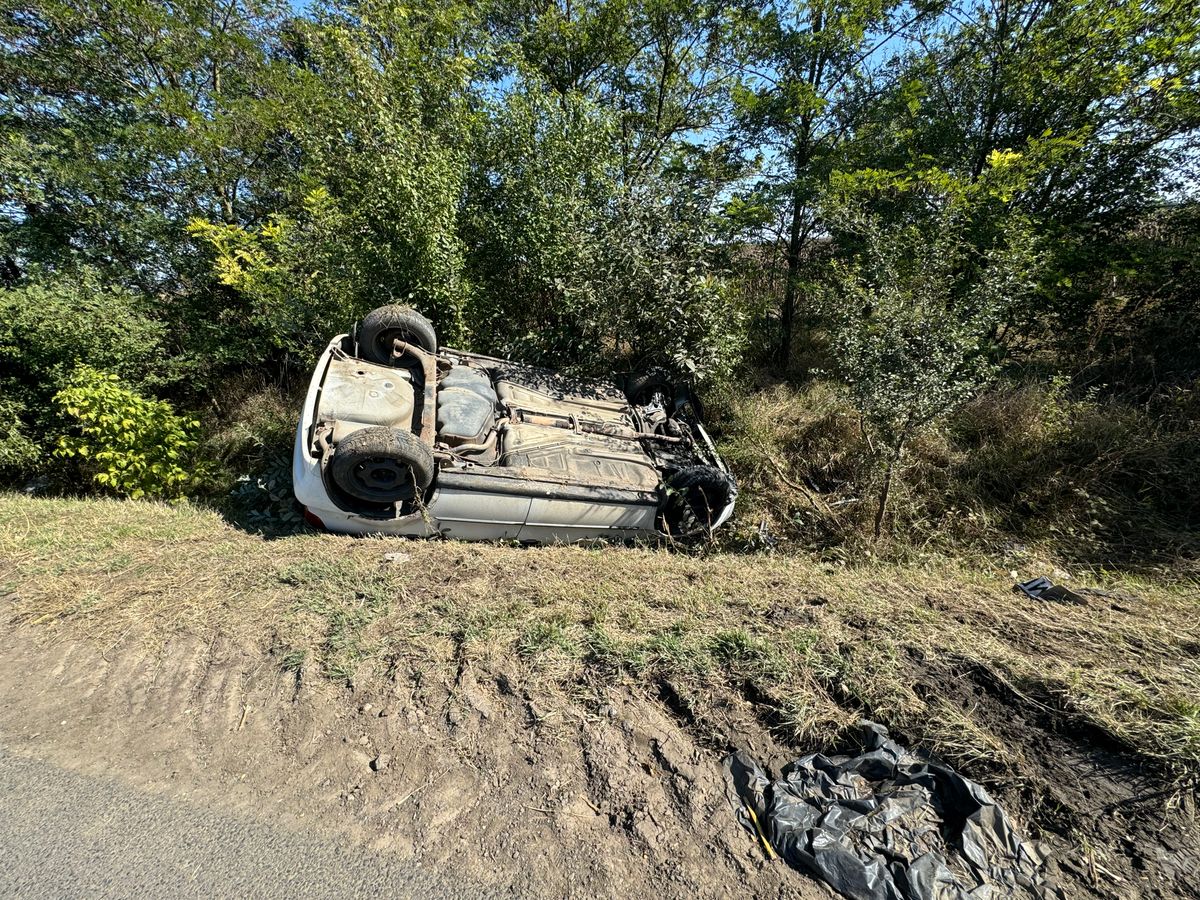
[[640, 388], [379, 329], [696, 496], [382, 465]]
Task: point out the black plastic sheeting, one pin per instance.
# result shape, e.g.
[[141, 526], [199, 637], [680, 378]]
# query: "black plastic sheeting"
[[889, 825]]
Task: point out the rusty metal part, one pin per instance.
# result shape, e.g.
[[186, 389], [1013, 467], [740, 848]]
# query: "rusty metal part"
[[583, 426], [482, 447], [428, 363], [482, 454]]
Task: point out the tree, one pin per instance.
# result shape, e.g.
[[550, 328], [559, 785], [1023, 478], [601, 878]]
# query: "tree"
[[377, 108], [573, 265], [800, 63], [594, 183], [912, 317], [122, 120], [660, 67], [1099, 102]]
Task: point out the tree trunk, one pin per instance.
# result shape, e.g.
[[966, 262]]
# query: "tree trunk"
[[796, 238], [789, 287], [883, 498], [889, 469], [802, 153]]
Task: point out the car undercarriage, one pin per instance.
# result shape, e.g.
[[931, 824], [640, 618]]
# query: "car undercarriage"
[[399, 436]]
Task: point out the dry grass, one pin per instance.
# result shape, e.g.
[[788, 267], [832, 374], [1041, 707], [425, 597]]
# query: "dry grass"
[[1027, 466], [809, 645]]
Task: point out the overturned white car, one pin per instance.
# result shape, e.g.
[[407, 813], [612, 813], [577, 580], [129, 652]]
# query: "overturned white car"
[[399, 436]]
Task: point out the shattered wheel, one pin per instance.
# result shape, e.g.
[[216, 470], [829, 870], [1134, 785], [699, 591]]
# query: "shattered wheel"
[[696, 497], [378, 331], [382, 465]]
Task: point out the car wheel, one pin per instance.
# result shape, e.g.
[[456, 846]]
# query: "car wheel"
[[378, 331], [382, 465], [642, 388], [696, 497]]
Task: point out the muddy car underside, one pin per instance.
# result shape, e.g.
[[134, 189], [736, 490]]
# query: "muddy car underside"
[[400, 437]]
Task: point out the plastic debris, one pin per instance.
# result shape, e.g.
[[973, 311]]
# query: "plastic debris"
[[1044, 589], [889, 825]]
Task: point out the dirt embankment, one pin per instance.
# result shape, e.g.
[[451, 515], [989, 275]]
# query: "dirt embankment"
[[465, 777], [554, 719], [619, 793]]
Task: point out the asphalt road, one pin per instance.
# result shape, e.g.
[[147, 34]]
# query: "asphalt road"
[[69, 835]]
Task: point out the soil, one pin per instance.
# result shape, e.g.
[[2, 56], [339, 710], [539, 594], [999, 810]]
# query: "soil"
[[617, 793], [471, 778], [1118, 827]]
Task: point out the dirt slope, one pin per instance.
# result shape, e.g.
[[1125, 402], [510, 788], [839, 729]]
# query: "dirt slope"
[[620, 804], [556, 717]]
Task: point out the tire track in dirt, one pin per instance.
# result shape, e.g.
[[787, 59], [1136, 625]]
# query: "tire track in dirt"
[[472, 779]]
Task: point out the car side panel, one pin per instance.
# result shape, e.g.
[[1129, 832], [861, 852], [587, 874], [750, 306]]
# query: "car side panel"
[[478, 515], [576, 520]]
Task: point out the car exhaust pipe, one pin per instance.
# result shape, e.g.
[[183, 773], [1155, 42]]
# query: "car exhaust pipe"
[[428, 363]]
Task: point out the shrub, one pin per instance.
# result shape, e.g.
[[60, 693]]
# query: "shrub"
[[1100, 477], [130, 445], [912, 323], [19, 454], [1024, 465], [52, 322], [801, 462], [48, 325]]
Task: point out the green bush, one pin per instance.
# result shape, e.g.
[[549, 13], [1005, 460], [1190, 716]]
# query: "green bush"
[[48, 325], [52, 322], [912, 321], [130, 445], [19, 454]]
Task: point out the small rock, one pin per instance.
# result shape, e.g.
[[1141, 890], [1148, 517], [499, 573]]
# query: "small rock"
[[396, 558], [366, 708], [383, 714], [381, 762], [364, 740]]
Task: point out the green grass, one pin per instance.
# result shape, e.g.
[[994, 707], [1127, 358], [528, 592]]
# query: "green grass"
[[809, 646]]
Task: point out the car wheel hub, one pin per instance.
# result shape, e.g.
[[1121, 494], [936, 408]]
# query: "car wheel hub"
[[385, 478]]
